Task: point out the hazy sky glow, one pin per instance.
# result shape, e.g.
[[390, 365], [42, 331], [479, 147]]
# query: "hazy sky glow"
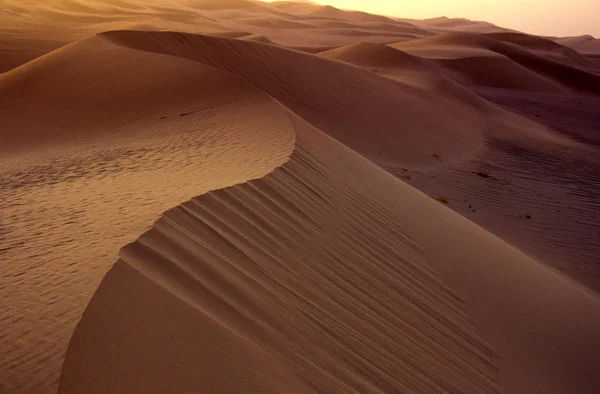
[[544, 17]]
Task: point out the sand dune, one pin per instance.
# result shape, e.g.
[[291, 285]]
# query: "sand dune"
[[546, 47], [301, 299], [489, 124], [583, 44], [478, 71], [71, 168], [423, 74], [298, 307], [444, 24], [355, 16], [273, 23], [499, 72], [287, 24], [15, 51], [234, 65], [334, 111], [258, 38], [366, 54], [473, 45], [309, 256]]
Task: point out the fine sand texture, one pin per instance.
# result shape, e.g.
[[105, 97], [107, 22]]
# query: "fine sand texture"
[[298, 198]]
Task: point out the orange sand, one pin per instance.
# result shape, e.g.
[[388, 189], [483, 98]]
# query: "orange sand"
[[309, 254]]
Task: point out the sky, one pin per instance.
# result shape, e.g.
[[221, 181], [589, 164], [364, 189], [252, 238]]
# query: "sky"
[[542, 17]]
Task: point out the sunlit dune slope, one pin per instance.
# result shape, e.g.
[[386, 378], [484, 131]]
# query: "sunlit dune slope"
[[97, 141], [81, 111]]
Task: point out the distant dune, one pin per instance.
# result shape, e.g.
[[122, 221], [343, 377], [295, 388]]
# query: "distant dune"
[[545, 47], [547, 66], [443, 24], [583, 44], [298, 198], [367, 54]]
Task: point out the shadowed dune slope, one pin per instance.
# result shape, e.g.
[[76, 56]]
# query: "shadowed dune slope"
[[326, 264], [553, 179]]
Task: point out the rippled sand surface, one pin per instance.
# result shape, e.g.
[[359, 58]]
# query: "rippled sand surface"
[[68, 209]]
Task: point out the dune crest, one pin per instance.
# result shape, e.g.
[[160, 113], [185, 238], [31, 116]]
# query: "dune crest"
[[276, 71], [233, 256], [122, 127], [301, 263]]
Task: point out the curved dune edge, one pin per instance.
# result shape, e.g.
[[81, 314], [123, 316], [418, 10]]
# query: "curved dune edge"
[[320, 271], [104, 139], [295, 282], [297, 79]]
